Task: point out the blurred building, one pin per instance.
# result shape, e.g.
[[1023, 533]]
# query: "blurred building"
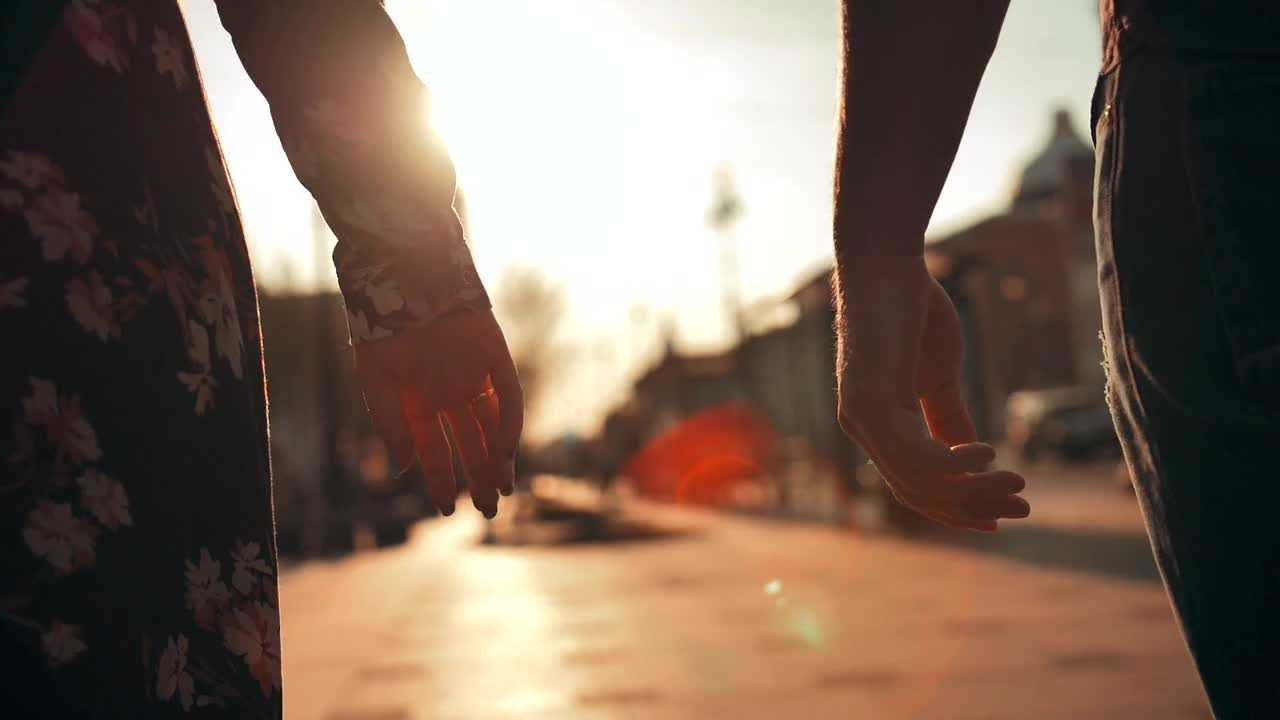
[[781, 374], [330, 472], [1023, 282], [308, 378]]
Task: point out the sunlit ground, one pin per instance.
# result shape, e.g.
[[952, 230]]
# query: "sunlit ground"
[[1059, 617]]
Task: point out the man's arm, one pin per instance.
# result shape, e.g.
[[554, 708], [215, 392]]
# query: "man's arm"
[[911, 69], [910, 73]]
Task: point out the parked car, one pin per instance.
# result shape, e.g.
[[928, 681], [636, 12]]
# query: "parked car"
[[1072, 423]]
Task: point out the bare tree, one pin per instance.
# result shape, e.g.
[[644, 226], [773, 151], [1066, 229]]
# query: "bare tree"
[[530, 309]]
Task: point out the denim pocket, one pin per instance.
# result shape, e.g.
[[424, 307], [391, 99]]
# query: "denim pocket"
[[1233, 118]]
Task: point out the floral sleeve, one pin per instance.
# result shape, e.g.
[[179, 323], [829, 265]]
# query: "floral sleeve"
[[350, 113]]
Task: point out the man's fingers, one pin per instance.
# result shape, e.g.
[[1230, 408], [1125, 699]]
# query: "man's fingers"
[[943, 513], [974, 455], [1012, 506], [383, 402], [897, 439], [992, 483], [984, 514], [971, 501], [909, 458], [947, 414], [919, 457], [950, 485], [982, 519], [475, 457], [987, 494], [433, 449]]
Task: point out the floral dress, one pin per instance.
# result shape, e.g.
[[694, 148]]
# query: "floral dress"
[[136, 530]]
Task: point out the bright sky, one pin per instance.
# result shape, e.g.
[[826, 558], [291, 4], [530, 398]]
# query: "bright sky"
[[586, 134]]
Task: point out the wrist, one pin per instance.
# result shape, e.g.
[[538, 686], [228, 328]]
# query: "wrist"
[[878, 226], [879, 268]]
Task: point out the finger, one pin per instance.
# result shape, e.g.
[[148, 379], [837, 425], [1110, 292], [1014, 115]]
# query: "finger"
[[1013, 507], [506, 383], [979, 516], [975, 455], [1007, 506], [949, 485], [486, 411], [475, 458], [982, 496], [973, 502], [432, 445], [995, 483], [918, 458], [950, 516], [894, 437], [965, 518], [383, 403], [947, 414]]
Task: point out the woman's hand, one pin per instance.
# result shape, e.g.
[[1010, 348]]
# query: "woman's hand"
[[455, 370], [901, 397]]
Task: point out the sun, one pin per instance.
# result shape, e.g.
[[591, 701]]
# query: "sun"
[[584, 145], [557, 111]]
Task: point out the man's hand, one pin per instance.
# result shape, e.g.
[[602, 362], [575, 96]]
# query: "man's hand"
[[901, 399], [456, 370]]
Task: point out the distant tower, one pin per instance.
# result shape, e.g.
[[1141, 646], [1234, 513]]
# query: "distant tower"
[[667, 335], [1055, 178], [722, 216]]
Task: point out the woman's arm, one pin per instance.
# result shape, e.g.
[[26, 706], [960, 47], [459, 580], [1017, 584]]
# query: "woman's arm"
[[350, 113]]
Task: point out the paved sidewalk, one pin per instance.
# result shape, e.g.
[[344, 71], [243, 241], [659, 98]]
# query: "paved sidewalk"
[[1058, 617]]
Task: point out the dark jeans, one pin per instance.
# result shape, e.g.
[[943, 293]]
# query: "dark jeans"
[[1187, 213]]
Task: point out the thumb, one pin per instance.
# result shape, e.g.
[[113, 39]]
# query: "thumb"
[[905, 446], [947, 414]]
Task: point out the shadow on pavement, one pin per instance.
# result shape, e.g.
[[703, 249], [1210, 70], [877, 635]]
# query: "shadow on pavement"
[[1117, 554], [567, 527]]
